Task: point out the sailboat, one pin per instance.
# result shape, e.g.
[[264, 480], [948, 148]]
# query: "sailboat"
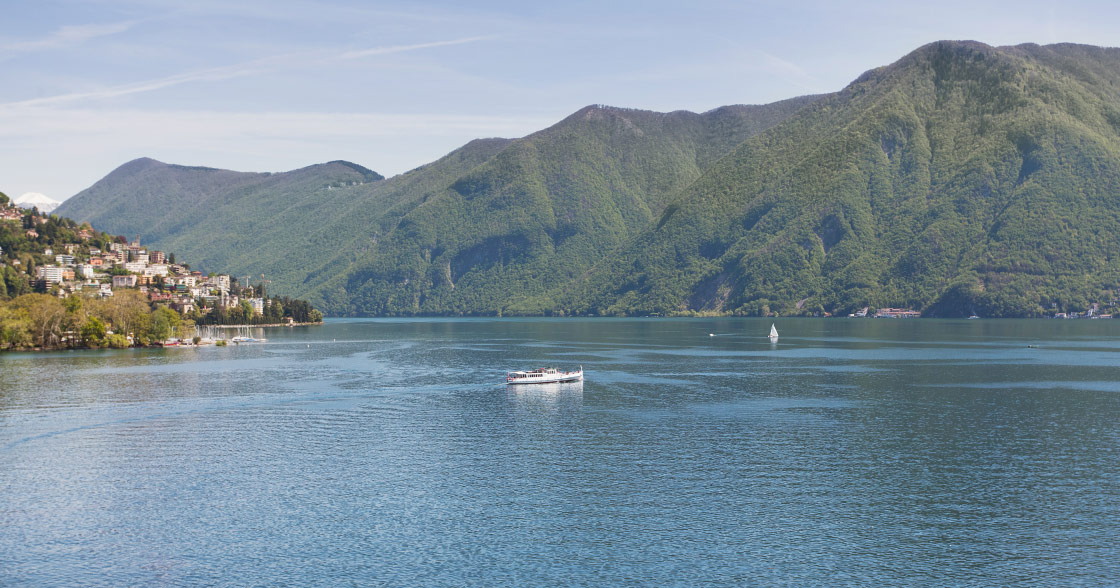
[[773, 332]]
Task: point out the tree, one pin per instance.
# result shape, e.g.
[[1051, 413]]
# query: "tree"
[[16, 283], [72, 304], [126, 310], [246, 310], [163, 324], [92, 332], [47, 317], [15, 327], [118, 341]]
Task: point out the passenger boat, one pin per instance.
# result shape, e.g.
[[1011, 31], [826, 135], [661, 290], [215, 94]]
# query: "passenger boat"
[[544, 376]]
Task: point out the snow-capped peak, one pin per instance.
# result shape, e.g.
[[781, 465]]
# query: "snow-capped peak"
[[43, 202]]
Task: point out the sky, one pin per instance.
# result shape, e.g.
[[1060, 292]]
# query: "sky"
[[275, 85]]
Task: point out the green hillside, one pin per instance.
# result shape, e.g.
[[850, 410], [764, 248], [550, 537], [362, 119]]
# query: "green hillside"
[[297, 228], [539, 214], [440, 238], [160, 200], [963, 178]]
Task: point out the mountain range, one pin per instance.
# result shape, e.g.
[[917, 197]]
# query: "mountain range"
[[961, 179]]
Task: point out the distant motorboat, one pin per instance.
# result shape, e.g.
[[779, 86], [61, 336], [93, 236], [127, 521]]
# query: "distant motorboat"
[[973, 317], [544, 376], [773, 332]]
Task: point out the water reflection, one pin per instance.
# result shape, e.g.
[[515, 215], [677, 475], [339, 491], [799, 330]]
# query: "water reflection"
[[546, 397]]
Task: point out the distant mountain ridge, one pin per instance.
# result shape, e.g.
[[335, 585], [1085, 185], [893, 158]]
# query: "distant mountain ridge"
[[342, 239], [962, 178]]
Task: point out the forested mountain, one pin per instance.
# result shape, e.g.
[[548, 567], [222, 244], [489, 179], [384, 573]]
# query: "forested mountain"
[[553, 202], [166, 200], [539, 214], [962, 178]]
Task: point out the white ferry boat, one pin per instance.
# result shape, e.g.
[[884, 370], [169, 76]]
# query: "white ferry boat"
[[544, 376]]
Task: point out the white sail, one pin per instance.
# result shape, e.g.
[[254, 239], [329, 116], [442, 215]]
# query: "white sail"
[[773, 331]]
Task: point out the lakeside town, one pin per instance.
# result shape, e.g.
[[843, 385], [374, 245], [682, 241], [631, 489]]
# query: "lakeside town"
[[1093, 312], [45, 256]]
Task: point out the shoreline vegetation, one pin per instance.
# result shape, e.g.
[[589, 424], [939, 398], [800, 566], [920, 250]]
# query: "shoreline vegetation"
[[42, 322], [64, 285]]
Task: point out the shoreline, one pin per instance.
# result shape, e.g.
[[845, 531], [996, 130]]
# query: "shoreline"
[[270, 325], [699, 316], [183, 344]]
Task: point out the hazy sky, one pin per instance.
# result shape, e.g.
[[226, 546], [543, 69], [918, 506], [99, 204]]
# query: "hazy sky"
[[280, 84]]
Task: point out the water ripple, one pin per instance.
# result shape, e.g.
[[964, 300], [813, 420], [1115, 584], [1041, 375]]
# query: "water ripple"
[[392, 453]]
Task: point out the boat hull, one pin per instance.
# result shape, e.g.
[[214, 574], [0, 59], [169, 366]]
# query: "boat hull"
[[543, 377]]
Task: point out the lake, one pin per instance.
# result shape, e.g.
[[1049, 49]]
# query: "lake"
[[862, 452]]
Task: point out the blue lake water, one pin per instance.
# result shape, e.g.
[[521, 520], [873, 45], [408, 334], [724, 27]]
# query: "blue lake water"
[[391, 453]]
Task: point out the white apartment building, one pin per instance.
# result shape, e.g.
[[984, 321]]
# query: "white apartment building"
[[50, 273], [155, 270]]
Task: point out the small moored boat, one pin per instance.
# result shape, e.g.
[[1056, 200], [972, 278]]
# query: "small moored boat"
[[244, 336], [544, 376], [244, 339]]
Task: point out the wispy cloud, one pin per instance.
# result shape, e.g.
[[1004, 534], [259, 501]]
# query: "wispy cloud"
[[206, 75], [240, 70], [793, 74], [69, 36], [781, 66], [402, 48]]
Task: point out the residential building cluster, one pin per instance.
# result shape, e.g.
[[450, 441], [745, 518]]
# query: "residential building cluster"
[[895, 313], [78, 269], [1094, 312]]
